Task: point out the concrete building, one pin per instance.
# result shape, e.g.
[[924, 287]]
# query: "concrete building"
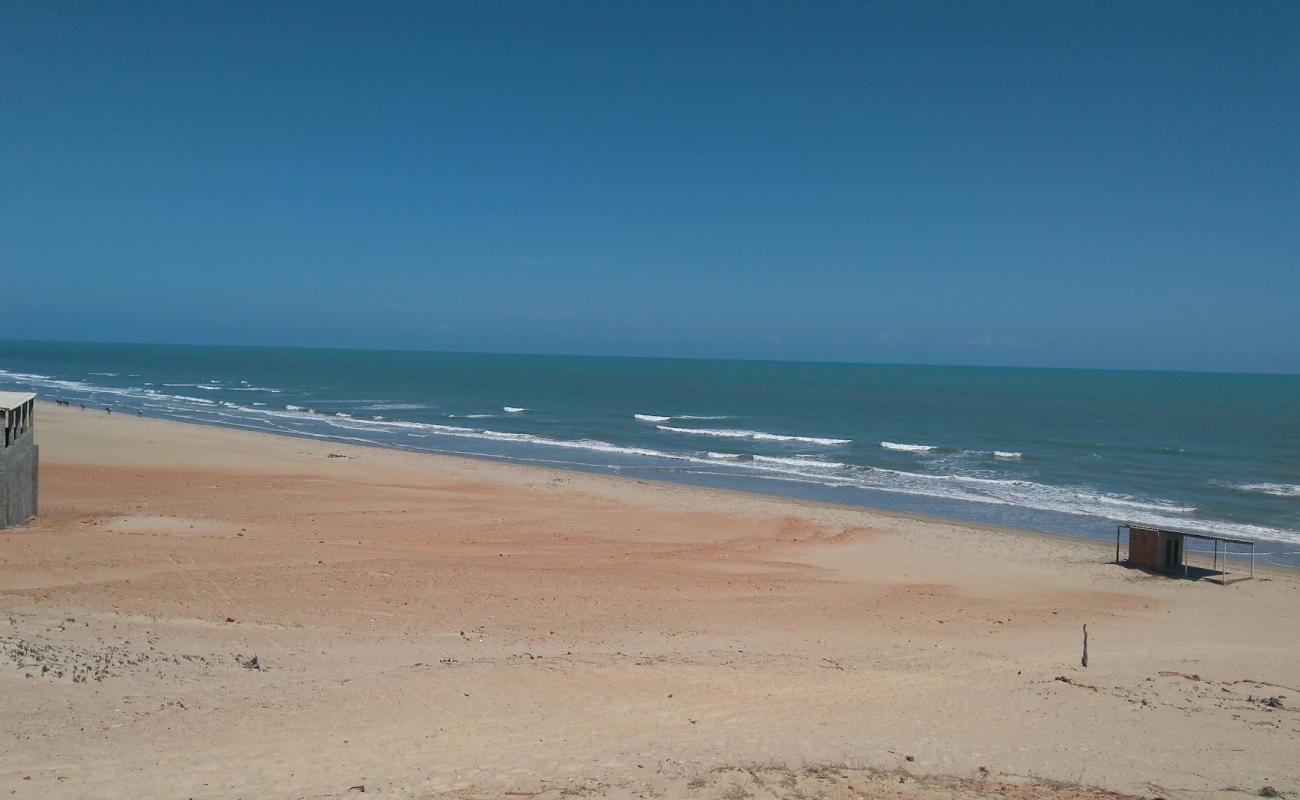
[[18, 458]]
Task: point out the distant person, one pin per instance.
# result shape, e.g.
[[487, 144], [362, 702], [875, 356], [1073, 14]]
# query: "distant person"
[[109, 409], [83, 406]]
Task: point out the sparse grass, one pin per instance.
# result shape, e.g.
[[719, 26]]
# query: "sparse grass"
[[824, 772], [800, 793], [735, 792], [821, 781]]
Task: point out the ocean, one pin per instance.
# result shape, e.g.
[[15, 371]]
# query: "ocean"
[[1064, 451]]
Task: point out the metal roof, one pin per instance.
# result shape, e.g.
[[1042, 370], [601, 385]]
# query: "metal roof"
[[11, 400], [1209, 537]]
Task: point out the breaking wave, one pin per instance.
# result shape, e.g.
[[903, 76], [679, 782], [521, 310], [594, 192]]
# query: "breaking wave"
[[800, 462], [1275, 489], [760, 436], [907, 448]]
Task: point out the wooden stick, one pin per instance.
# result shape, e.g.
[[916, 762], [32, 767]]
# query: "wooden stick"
[[1085, 645]]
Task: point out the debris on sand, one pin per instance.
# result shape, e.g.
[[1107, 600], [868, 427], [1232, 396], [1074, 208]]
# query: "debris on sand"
[[1271, 702], [1064, 679]]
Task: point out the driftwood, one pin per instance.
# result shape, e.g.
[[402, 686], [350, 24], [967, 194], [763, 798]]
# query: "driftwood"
[[1085, 645]]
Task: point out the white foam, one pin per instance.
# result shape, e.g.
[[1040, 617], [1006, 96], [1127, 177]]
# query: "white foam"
[[907, 448], [395, 407], [651, 418], [800, 462], [25, 376], [106, 374], [1275, 489], [342, 414], [472, 416], [295, 408], [513, 409], [1006, 454], [211, 387], [755, 435], [724, 456]]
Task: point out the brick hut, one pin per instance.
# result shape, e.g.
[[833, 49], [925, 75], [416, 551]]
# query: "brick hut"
[[1166, 551]]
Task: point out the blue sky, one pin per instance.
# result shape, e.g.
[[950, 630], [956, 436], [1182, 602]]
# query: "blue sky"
[[1088, 184]]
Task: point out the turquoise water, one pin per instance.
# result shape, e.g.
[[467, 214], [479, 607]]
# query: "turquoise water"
[[1070, 451]]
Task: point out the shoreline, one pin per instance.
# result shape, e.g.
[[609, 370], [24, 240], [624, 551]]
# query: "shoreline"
[[1099, 543], [427, 625]]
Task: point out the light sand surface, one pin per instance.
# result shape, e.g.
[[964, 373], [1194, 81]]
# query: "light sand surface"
[[427, 626]]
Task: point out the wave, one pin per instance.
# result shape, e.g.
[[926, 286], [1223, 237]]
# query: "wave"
[[907, 448], [1275, 489], [800, 462], [756, 435], [651, 418], [25, 376], [1006, 454], [394, 407], [513, 409], [429, 429], [209, 387], [106, 374], [796, 468]]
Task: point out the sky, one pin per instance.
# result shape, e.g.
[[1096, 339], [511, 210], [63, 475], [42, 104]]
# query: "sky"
[[1053, 184]]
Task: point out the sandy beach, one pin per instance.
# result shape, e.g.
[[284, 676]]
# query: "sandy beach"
[[201, 612]]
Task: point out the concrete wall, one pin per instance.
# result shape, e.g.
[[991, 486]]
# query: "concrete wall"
[[1144, 548], [18, 480]]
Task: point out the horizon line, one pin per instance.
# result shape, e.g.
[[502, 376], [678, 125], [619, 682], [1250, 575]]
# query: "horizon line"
[[652, 358]]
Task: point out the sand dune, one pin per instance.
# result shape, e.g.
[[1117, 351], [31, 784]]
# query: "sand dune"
[[212, 613]]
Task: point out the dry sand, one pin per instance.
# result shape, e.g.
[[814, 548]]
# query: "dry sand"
[[202, 612]]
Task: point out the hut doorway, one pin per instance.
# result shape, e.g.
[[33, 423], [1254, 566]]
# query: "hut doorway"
[[1173, 554]]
